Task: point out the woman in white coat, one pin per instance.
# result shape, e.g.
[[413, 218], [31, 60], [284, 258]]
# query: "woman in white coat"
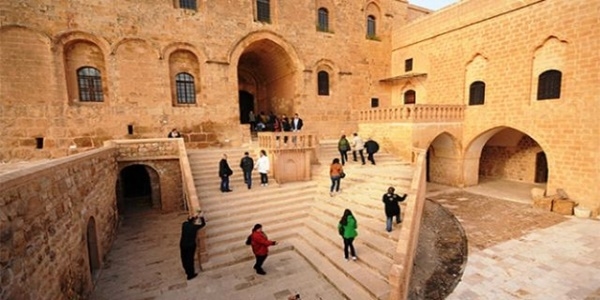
[[263, 165]]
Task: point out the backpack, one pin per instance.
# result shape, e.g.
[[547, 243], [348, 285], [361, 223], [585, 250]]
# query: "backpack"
[[341, 229], [249, 240]]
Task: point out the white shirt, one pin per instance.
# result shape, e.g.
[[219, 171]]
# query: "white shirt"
[[262, 164], [358, 143]]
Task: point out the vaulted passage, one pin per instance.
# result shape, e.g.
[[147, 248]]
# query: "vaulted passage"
[[266, 76], [135, 190]]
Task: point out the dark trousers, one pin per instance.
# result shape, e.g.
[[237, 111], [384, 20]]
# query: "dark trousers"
[[264, 178], [187, 259], [224, 183], [348, 245], [344, 155], [260, 259], [371, 158], [362, 156], [335, 184], [248, 178]]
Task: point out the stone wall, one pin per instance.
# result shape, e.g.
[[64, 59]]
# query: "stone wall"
[[138, 47], [44, 214], [507, 44]]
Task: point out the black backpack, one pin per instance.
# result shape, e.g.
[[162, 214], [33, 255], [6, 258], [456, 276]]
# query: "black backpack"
[[341, 229], [249, 240]]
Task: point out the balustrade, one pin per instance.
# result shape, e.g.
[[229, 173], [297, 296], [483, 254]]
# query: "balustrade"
[[413, 113]]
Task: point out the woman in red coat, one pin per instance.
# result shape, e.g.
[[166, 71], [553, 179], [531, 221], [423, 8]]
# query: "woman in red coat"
[[260, 246]]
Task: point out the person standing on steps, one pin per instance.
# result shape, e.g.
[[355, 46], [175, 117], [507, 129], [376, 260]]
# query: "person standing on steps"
[[343, 147], [247, 165], [335, 173], [391, 202], [263, 166], [187, 243], [260, 247], [224, 172], [372, 147], [347, 229], [358, 145]]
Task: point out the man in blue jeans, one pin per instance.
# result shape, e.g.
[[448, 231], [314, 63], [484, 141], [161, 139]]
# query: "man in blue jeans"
[[392, 207]]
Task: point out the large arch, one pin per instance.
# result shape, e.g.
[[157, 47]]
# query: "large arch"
[[505, 153], [443, 160], [268, 68]]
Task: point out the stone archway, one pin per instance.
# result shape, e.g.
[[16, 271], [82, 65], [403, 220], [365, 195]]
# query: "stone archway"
[[503, 153], [138, 189], [92, 247], [267, 72], [443, 160]]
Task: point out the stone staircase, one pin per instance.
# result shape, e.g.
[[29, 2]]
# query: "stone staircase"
[[303, 217]]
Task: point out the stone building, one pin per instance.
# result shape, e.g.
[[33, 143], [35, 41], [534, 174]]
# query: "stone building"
[[493, 89]]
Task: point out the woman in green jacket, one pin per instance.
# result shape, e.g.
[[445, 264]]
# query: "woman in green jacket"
[[347, 229]]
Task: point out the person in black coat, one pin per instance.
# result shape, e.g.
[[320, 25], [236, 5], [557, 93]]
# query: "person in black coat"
[[372, 147], [247, 165], [187, 243], [224, 172], [392, 207]]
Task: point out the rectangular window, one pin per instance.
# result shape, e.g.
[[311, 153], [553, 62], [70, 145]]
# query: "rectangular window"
[[408, 65], [187, 4], [263, 11], [374, 102]]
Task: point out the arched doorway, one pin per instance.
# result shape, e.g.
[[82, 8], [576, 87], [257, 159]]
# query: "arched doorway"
[[92, 247], [138, 189], [267, 73], [508, 161], [442, 160]]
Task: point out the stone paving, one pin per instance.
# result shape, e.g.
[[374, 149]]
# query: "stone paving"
[[516, 252]]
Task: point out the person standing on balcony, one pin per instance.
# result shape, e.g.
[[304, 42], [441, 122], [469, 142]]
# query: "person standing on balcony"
[[247, 165], [358, 145], [347, 229], [174, 133], [187, 243], [263, 166], [297, 123], [391, 201], [286, 126], [224, 172], [343, 147], [372, 147], [252, 120], [335, 173]]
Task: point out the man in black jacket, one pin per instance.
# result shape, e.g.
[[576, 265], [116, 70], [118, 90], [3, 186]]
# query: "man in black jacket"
[[224, 172], [372, 147], [392, 207], [187, 243], [247, 165]]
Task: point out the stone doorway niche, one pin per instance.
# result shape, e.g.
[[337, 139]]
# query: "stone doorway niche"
[[443, 160], [267, 76], [92, 247], [138, 189], [506, 154]]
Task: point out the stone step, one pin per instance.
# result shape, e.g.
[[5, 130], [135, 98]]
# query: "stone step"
[[350, 277]]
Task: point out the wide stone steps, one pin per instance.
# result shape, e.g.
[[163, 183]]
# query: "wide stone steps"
[[303, 217]]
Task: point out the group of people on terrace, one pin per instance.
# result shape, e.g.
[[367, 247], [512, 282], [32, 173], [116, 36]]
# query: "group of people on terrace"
[[272, 122]]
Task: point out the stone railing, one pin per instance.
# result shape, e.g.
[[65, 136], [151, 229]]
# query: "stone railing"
[[281, 140], [413, 113], [406, 249]]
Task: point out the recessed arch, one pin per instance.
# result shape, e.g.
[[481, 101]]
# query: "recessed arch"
[[138, 188], [92, 247], [442, 161]]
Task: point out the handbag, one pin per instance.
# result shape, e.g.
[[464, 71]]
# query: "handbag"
[[342, 174]]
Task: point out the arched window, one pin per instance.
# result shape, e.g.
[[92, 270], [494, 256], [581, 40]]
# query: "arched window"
[[90, 85], [323, 83], [187, 4], [323, 20], [477, 93], [186, 92], [263, 11], [371, 28], [549, 85], [410, 97]]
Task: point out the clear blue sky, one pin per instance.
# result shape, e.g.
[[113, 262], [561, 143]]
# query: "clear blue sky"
[[432, 4]]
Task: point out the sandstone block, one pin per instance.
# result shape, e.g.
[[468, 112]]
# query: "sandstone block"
[[537, 193], [544, 203], [563, 207]]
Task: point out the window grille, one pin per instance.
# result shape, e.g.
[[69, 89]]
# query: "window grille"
[[186, 92], [263, 11], [477, 93], [90, 85], [549, 84], [187, 4], [323, 83], [323, 20], [371, 30]]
